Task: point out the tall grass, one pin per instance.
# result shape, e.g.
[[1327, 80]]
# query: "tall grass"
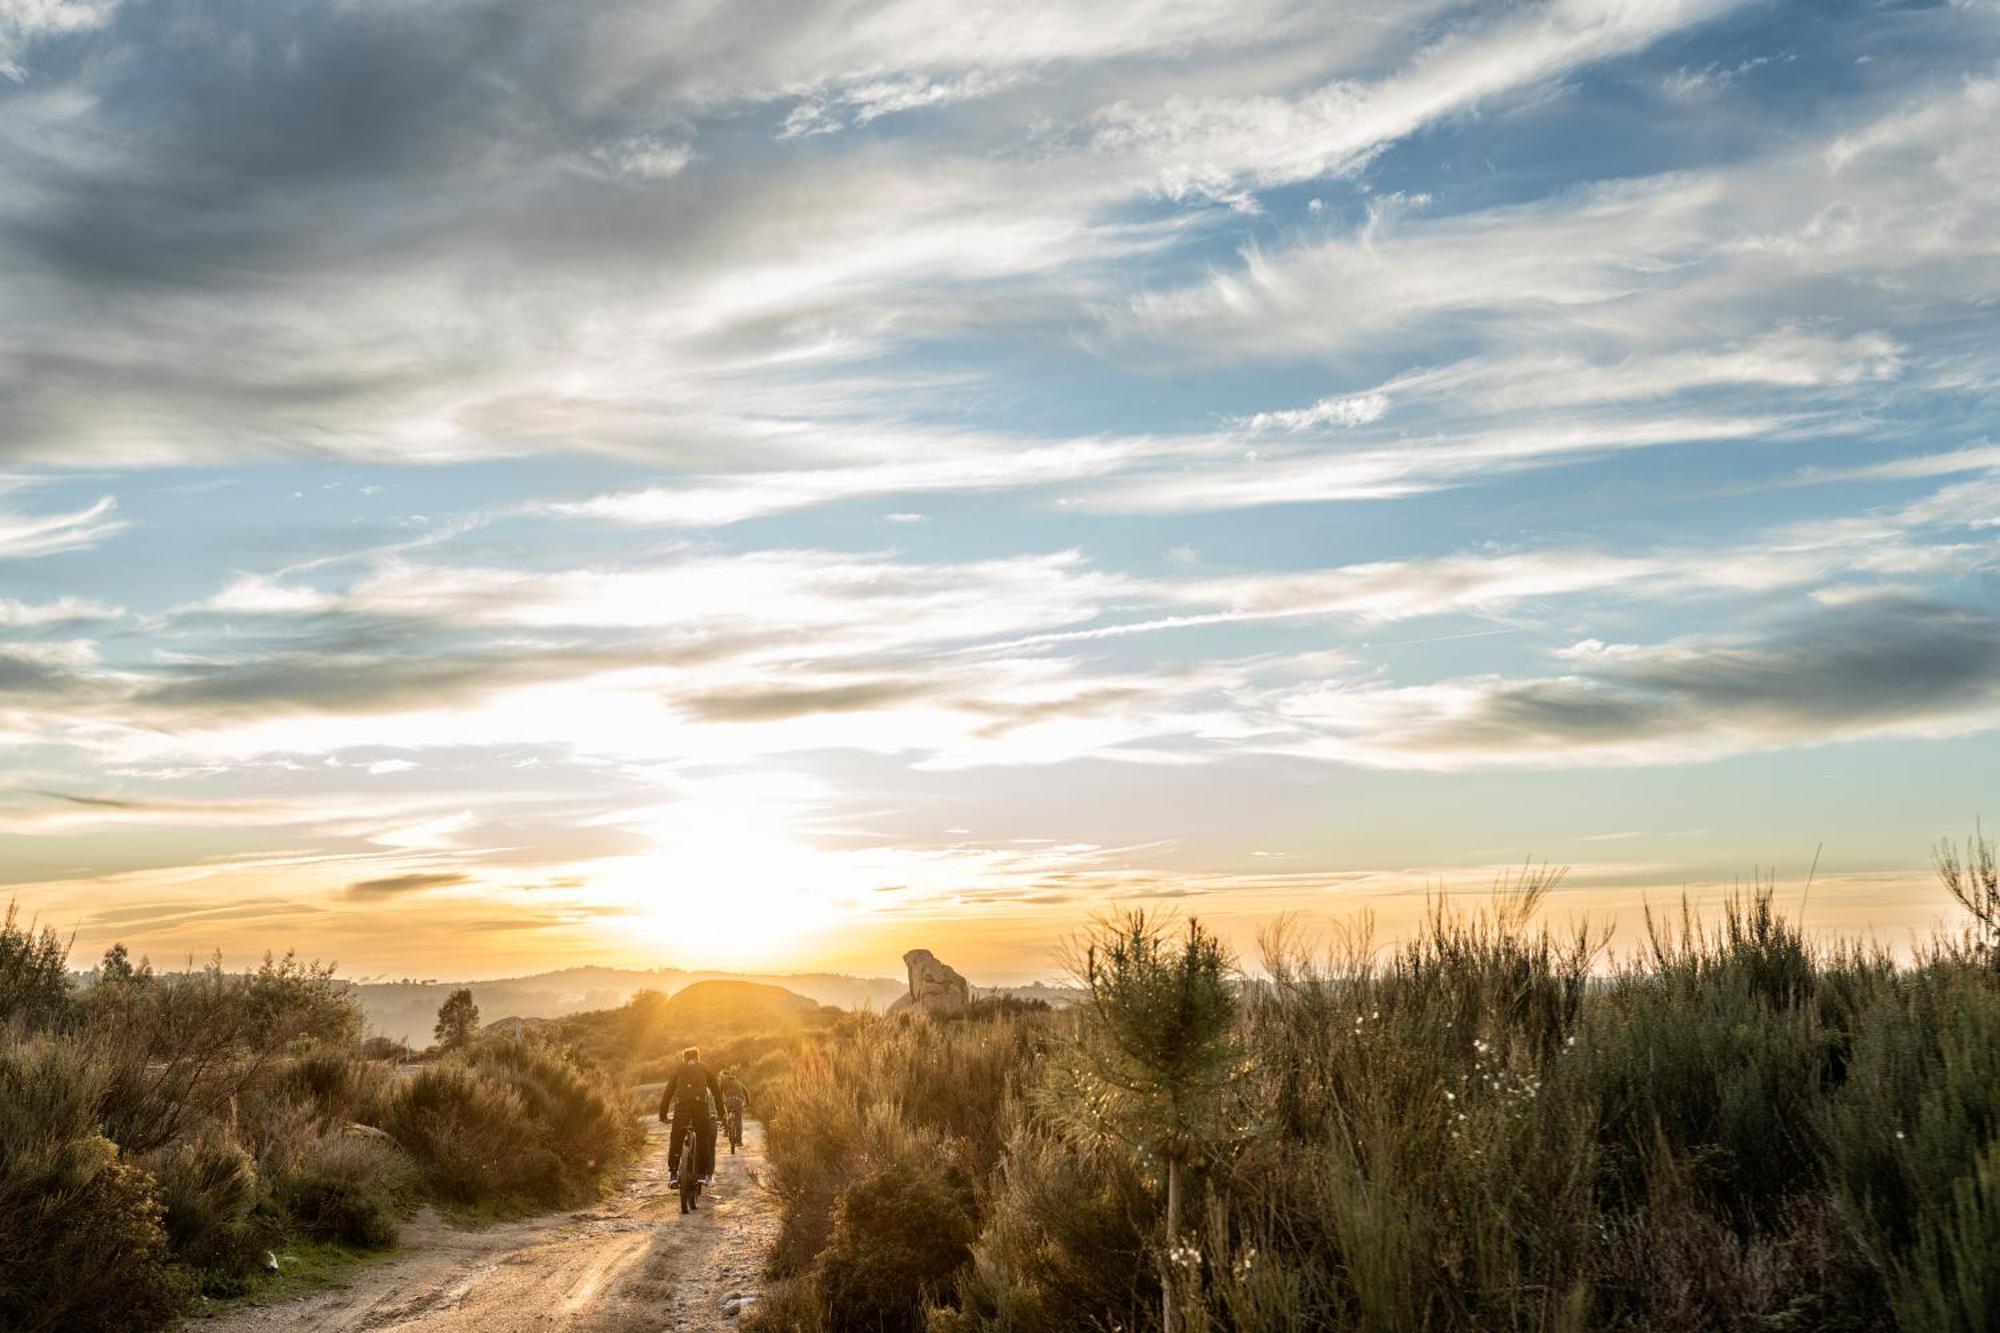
[[879, 1136], [1494, 1125]]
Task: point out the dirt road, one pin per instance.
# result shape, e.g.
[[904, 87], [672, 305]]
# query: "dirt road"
[[629, 1263]]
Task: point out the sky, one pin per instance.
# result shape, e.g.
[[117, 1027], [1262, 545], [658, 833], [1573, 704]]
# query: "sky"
[[488, 486]]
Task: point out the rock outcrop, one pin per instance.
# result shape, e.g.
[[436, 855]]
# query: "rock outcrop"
[[935, 986]]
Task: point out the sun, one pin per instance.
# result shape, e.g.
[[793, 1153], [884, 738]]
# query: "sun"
[[728, 883]]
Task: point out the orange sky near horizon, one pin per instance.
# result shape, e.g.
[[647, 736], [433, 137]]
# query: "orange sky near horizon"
[[231, 910]]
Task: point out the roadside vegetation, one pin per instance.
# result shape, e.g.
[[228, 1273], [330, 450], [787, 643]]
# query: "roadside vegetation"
[[164, 1137], [1493, 1125]]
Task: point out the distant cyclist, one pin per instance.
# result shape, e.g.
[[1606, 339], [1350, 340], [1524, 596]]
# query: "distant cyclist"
[[735, 1097], [685, 1100]]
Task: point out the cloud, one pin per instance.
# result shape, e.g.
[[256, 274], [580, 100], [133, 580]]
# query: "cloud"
[[63, 611], [23, 22], [23, 673], [23, 535], [650, 156], [1787, 358], [1617, 315], [773, 258], [1884, 666], [1902, 205], [1353, 410], [345, 200], [391, 886], [1221, 146], [939, 463], [859, 103], [773, 705], [714, 657], [1392, 470]]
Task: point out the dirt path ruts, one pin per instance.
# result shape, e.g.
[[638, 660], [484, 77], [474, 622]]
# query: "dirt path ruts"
[[629, 1263]]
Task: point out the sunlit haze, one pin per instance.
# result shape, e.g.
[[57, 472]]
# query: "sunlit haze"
[[493, 486]]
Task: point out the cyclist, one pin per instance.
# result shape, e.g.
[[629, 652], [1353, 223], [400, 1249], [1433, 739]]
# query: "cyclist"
[[686, 1099], [735, 1098]]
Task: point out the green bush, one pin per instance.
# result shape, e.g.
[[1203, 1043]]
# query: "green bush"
[[511, 1124], [871, 1083], [336, 1083], [586, 1119], [208, 1187], [82, 1247], [1064, 1232], [34, 975], [1914, 1139], [347, 1188], [463, 1131], [899, 1235]]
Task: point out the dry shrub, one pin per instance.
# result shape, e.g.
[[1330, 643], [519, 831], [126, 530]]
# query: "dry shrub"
[[209, 1188], [1065, 1232], [900, 1234], [463, 1131], [511, 1124], [82, 1248], [349, 1189]]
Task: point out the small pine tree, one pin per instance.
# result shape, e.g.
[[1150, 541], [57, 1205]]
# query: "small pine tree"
[[458, 1019], [1156, 1047]]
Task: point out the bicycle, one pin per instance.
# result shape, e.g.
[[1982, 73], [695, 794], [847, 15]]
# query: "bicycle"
[[733, 1121], [690, 1169]]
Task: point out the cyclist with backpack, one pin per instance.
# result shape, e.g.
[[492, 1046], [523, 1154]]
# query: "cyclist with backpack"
[[686, 1100]]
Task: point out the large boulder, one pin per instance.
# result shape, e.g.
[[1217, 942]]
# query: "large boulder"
[[935, 986]]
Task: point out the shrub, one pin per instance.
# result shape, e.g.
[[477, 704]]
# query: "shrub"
[[1066, 1230], [512, 1124], [182, 1049], [34, 975], [82, 1247], [588, 1122], [461, 1129], [347, 1188], [336, 1084], [386, 1049], [209, 1189], [834, 1113], [1914, 1143], [899, 1235]]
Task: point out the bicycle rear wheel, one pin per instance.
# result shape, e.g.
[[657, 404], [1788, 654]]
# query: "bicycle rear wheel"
[[690, 1173]]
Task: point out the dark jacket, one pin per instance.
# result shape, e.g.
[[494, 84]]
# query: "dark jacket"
[[733, 1089], [685, 1087]]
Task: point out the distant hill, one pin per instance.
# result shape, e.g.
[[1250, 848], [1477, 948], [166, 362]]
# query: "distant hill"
[[735, 1006], [747, 1026], [1058, 996], [407, 1010]]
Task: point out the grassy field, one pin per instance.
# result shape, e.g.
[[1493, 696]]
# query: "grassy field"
[[1490, 1126]]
